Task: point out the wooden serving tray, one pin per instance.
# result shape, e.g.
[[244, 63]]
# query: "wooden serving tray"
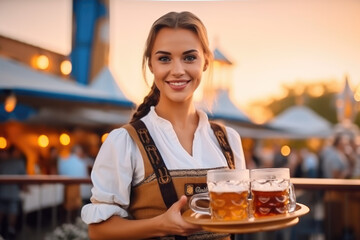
[[248, 225]]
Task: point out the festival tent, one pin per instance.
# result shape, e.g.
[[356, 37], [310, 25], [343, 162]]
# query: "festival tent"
[[222, 107], [301, 122], [105, 82], [46, 98], [224, 110], [220, 57]]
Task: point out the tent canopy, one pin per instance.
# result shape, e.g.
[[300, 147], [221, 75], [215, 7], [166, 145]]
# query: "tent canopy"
[[302, 122], [51, 99], [219, 56], [105, 82], [23, 80], [223, 108]]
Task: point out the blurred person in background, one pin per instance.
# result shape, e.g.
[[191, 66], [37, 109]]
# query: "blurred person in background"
[[279, 160], [294, 163], [353, 154], [53, 160], [250, 159], [310, 163], [353, 197], [335, 162], [340, 206], [12, 162], [75, 165], [356, 172]]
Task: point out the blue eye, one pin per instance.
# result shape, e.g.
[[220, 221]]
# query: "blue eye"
[[190, 58], [164, 59]]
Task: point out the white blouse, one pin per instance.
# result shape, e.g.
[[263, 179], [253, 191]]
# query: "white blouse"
[[119, 164]]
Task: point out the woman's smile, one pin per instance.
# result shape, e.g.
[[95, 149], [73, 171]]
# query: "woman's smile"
[[178, 85]]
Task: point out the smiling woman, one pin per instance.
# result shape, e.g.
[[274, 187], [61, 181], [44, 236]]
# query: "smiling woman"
[[168, 145], [177, 62]]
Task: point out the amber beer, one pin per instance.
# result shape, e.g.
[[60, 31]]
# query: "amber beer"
[[229, 206], [271, 192], [228, 195], [269, 203]]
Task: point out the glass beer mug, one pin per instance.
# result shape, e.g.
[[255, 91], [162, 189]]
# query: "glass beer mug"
[[228, 192], [272, 192]]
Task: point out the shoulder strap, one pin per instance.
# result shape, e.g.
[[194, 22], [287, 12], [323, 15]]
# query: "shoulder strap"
[[150, 154], [220, 133], [162, 173], [132, 132]]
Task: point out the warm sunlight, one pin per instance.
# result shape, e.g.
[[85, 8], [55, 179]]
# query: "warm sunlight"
[[270, 42]]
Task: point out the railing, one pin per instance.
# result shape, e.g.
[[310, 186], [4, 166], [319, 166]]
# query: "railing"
[[42, 203], [299, 183], [324, 195], [326, 184], [42, 179]]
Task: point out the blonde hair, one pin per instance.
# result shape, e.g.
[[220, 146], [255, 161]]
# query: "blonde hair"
[[184, 20]]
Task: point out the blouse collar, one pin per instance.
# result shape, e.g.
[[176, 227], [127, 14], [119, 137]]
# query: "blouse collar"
[[155, 118]]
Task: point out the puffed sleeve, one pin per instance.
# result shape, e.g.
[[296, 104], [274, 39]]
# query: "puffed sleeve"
[[112, 176], [236, 146]]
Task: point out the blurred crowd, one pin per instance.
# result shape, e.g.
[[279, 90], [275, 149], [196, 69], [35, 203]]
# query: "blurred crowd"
[[75, 163], [334, 215], [338, 158], [12, 162]]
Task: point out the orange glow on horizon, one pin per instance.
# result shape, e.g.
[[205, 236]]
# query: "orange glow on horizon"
[[316, 90], [266, 51], [259, 114]]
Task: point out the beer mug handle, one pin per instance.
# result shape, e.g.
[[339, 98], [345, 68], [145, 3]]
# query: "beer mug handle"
[[292, 196], [199, 209]]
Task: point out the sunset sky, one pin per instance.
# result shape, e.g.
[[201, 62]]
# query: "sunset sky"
[[271, 42]]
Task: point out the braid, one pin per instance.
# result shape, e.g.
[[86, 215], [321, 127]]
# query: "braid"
[[151, 99]]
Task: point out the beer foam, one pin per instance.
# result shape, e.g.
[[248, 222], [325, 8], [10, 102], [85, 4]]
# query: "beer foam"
[[228, 186], [269, 185]]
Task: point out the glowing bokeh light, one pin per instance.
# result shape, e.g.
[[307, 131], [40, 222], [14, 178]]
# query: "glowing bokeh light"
[[64, 139], [285, 150], [43, 141], [104, 136], [357, 94], [10, 103], [42, 62], [66, 67], [316, 91], [3, 143]]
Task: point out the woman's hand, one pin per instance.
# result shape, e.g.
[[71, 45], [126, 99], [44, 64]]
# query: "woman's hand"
[[174, 224], [169, 223]]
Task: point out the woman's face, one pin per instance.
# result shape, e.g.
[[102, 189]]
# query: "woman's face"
[[177, 62]]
